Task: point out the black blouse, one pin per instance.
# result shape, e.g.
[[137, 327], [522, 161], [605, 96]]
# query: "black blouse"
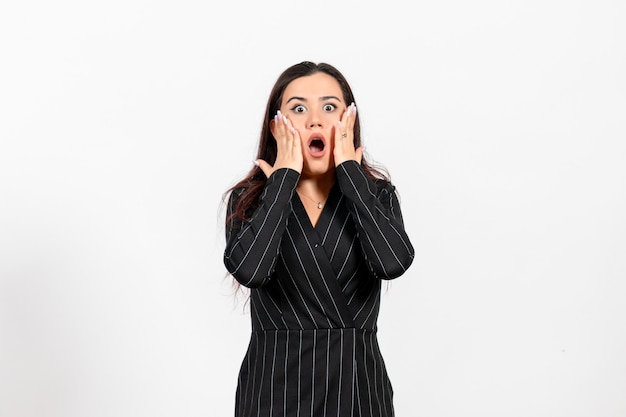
[[315, 296]]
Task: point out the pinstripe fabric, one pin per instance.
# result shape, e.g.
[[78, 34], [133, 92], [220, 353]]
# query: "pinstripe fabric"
[[315, 297]]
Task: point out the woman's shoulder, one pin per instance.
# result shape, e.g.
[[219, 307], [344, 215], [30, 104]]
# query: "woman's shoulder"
[[242, 187], [384, 185]]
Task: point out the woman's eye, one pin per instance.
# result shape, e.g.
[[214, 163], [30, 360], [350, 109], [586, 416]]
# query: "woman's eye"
[[299, 109], [329, 107]]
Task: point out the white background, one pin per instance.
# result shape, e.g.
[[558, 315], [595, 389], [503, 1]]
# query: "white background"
[[123, 122]]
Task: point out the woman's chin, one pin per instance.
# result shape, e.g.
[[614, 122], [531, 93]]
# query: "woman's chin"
[[317, 167]]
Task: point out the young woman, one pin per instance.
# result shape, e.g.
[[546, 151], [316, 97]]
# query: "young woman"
[[312, 230]]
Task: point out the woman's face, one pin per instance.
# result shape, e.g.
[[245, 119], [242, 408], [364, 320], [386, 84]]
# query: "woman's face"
[[314, 104]]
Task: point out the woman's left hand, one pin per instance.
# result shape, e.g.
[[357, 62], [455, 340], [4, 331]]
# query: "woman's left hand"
[[344, 138]]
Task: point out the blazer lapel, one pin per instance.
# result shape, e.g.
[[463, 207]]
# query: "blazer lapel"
[[319, 245]]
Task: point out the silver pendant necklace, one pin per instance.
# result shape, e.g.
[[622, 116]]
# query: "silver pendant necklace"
[[319, 204]]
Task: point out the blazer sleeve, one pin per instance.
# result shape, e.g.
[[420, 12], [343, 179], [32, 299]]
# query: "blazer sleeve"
[[252, 247], [375, 209]]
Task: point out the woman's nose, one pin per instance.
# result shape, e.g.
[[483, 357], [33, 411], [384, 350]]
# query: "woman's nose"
[[314, 121]]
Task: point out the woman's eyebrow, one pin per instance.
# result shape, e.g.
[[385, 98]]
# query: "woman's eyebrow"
[[295, 98], [323, 98]]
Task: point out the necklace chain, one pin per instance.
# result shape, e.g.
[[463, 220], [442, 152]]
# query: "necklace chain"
[[320, 205]]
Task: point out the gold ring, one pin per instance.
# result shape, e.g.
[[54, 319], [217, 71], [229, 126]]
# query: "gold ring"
[[344, 135]]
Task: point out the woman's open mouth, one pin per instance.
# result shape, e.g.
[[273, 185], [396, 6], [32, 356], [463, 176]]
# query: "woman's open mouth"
[[317, 145]]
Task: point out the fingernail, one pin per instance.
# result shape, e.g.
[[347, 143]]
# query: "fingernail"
[[256, 163], [339, 123], [285, 119], [293, 130], [353, 108]]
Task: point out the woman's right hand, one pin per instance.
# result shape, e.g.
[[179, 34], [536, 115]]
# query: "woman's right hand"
[[289, 147]]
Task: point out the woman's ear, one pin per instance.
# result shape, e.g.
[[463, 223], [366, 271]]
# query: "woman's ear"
[[273, 127]]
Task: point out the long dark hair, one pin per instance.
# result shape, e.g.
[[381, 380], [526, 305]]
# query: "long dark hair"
[[254, 182]]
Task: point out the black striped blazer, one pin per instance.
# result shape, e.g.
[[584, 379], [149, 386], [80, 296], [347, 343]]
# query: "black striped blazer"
[[315, 297]]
